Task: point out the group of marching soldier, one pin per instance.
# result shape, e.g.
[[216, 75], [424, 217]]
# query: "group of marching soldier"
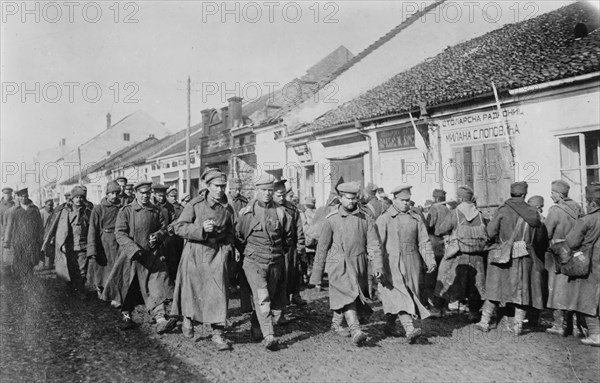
[[182, 261]]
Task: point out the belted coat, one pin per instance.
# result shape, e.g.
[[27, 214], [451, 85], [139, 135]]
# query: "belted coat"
[[102, 242]]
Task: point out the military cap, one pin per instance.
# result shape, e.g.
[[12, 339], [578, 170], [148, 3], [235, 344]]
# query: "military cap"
[[349, 187], [288, 189], [48, 200], [7, 190], [142, 186], [112, 186], [67, 194], [560, 186], [159, 187], [235, 184], [464, 192], [214, 176], [128, 187], [438, 193], [310, 201], [371, 188], [403, 191], [428, 203], [518, 187], [186, 198], [121, 179], [78, 190], [593, 191], [172, 190], [383, 195], [22, 192], [266, 181], [536, 201]]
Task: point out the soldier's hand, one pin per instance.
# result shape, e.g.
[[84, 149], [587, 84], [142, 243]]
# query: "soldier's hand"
[[209, 225], [237, 256], [170, 230], [431, 268], [163, 258], [152, 240], [318, 288]]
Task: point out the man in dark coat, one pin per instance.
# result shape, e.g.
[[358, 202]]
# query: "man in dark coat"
[[128, 191], [237, 277], [518, 281], [172, 245], [69, 233], [437, 214], [7, 202], [295, 253], [561, 289], [461, 276], [140, 229], [47, 213], [264, 233], [102, 250], [348, 244], [201, 289], [406, 247], [125, 197], [172, 197], [371, 201], [24, 233], [585, 237]]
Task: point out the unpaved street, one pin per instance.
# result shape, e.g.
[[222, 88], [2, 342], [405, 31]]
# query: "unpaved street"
[[47, 335]]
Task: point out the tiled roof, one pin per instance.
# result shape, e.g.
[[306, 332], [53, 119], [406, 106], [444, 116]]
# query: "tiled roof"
[[118, 159], [531, 52], [179, 144]]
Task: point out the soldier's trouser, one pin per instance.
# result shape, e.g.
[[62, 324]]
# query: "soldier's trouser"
[[245, 292], [292, 270], [267, 282], [77, 265]]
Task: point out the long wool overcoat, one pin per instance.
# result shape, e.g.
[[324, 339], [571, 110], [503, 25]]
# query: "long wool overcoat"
[[559, 222], [24, 232], [406, 246], [463, 276], [134, 225], [201, 288], [520, 280], [585, 236], [102, 243], [347, 243], [65, 262]]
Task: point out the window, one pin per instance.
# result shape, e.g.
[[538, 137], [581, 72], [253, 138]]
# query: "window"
[[580, 167], [174, 164], [242, 139], [126, 137]]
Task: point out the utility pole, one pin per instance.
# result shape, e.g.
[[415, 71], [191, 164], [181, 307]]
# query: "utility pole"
[[187, 137], [80, 168]]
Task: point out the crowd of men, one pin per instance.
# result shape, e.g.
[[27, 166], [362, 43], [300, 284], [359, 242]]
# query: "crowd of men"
[[139, 245]]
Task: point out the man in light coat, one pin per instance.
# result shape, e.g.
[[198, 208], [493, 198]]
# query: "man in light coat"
[[208, 226], [405, 246]]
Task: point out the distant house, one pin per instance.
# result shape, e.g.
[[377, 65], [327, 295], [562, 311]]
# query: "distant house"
[[132, 129]]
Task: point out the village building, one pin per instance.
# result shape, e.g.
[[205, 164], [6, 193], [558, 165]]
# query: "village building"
[[518, 103]]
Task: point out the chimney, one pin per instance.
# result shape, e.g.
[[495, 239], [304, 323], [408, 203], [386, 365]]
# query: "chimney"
[[235, 111], [62, 142], [205, 119], [225, 117], [108, 124]]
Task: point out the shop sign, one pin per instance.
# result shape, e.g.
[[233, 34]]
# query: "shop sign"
[[477, 127], [399, 138]]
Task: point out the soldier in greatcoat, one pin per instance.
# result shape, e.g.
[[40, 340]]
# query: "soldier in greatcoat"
[[437, 214], [172, 197], [70, 234], [518, 281], [102, 249], [140, 229], [24, 233], [264, 232], [128, 191], [47, 212], [201, 289], [295, 253], [348, 243], [461, 276], [561, 289], [307, 215], [405, 246], [237, 277], [172, 245], [585, 237], [7, 202]]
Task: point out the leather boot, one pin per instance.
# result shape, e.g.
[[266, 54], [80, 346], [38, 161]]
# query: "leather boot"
[[256, 334], [218, 339], [337, 325], [279, 318], [412, 333], [391, 329], [519, 320], [558, 323], [358, 336]]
